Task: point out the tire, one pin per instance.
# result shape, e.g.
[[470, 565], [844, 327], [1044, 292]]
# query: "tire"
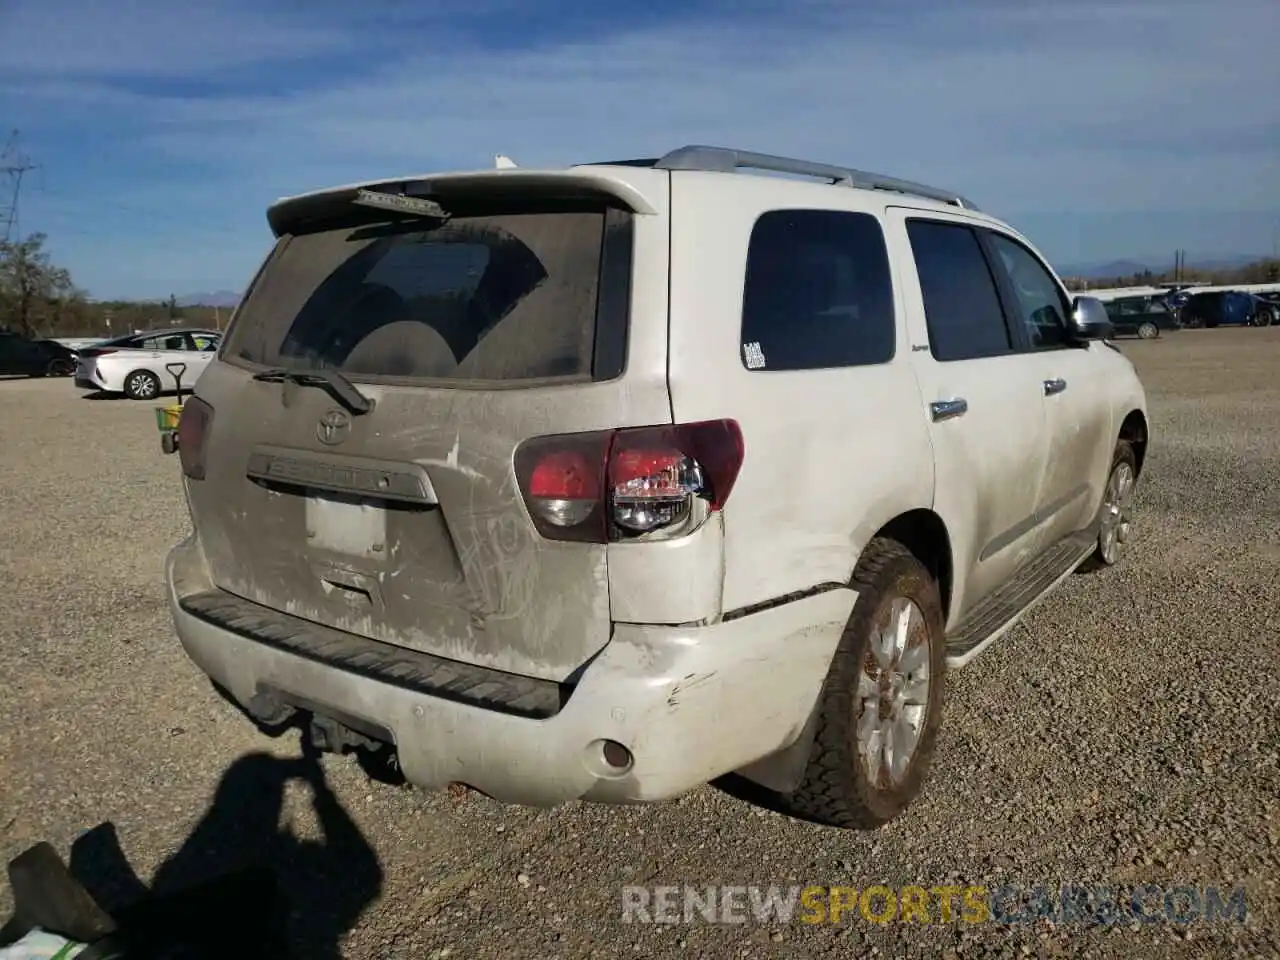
[[837, 788], [1148, 330], [141, 385], [60, 367], [1117, 496]]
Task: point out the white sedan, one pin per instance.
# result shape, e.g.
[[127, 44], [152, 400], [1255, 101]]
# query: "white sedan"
[[145, 365]]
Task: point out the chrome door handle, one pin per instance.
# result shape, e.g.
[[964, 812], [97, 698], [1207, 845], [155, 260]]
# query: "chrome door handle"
[[948, 409], [1056, 385]]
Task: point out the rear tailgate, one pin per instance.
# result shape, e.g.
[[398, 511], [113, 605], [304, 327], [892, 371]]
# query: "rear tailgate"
[[514, 319]]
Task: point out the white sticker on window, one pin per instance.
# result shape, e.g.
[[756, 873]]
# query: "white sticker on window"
[[754, 355]]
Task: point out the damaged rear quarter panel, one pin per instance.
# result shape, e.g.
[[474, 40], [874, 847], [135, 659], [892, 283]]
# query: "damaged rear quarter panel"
[[814, 487], [717, 698]]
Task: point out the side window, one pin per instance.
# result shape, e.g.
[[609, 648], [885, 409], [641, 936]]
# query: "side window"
[[961, 305], [172, 341], [817, 292], [1042, 307]]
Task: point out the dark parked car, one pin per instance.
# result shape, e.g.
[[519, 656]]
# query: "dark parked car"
[[25, 357], [1146, 317], [1221, 308], [1272, 300]]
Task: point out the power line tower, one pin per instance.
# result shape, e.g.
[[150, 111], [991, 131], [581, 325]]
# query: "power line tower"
[[14, 165]]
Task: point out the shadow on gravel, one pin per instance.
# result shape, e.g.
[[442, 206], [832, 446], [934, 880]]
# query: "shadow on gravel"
[[170, 395], [240, 886], [751, 793]]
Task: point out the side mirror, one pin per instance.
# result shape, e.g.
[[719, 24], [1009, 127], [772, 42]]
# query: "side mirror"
[[1089, 320]]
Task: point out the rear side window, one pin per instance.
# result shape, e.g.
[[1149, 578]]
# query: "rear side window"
[[176, 341], [961, 305], [817, 292], [495, 298]]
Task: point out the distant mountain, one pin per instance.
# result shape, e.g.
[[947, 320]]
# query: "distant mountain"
[[1226, 263], [1109, 268], [1124, 268], [220, 298]]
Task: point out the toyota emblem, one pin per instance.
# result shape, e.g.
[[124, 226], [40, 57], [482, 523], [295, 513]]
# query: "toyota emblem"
[[333, 427]]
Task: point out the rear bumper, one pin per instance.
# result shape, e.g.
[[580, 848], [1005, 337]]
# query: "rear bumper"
[[690, 703], [87, 376]]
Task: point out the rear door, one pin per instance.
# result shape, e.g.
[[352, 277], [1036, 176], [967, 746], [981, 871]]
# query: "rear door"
[[200, 348], [784, 318], [169, 357], [981, 397], [1124, 315], [514, 319]]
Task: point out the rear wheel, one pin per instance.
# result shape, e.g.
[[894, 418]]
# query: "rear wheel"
[[141, 385], [881, 702], [1148, 330]]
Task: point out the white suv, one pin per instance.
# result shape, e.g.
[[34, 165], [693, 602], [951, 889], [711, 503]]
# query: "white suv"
[[604, 482]]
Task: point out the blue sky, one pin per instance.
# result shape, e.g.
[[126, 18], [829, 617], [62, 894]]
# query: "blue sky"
[[1102, 128]]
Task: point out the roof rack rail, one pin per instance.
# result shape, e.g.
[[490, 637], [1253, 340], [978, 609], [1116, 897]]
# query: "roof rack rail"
[[729, 160]]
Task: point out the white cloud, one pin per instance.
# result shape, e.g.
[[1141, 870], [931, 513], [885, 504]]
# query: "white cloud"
[[151, 38], [1099, 106]]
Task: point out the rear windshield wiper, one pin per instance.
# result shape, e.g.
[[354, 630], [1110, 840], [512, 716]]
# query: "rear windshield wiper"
[[339, 385]]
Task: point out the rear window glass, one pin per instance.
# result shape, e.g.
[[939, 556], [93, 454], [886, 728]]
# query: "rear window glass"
[[817, 292], [503, 297]]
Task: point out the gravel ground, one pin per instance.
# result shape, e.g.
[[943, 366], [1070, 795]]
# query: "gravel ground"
[[1125, 733]]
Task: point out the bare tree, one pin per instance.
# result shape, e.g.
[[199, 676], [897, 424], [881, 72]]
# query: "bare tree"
[[32, 287]]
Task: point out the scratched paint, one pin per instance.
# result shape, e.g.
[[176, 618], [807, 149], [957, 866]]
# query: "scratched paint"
[[469, 579]]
